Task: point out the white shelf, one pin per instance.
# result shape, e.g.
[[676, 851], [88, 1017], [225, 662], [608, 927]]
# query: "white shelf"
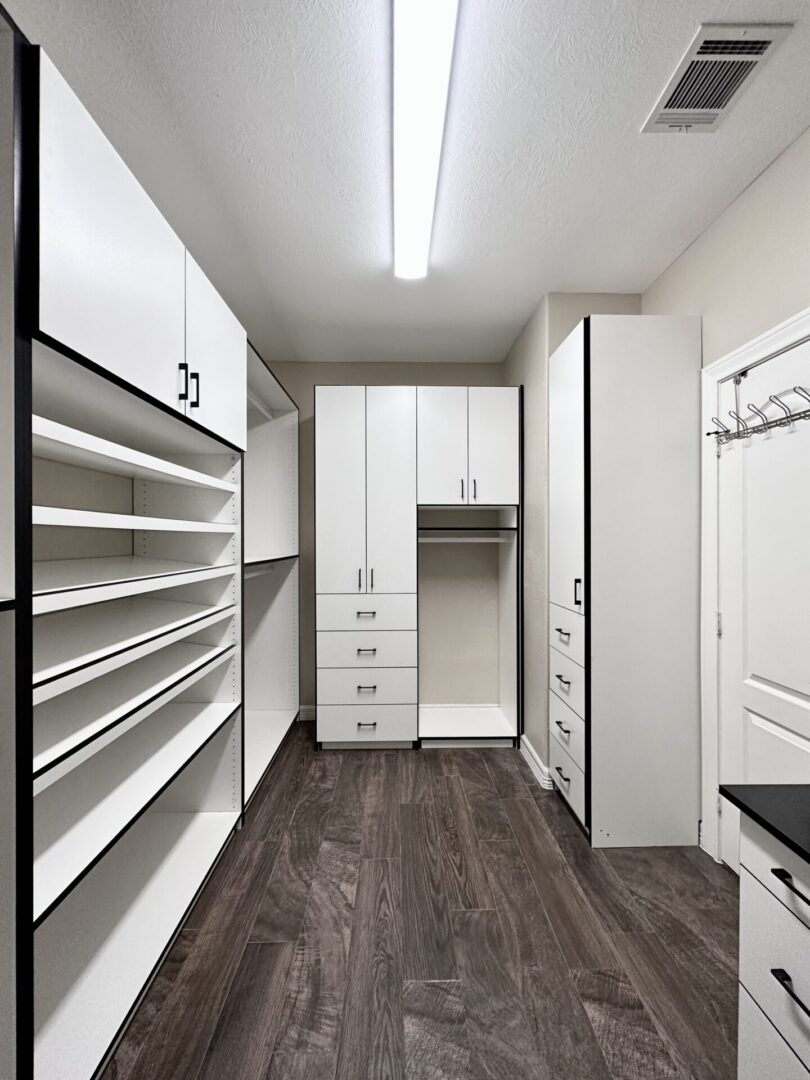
[[94, 519], [94, 954], [68, 583], [76, 819], [464, 722], [257, 560], [57, 442], [81, 636], [264, 733], [74, 723]]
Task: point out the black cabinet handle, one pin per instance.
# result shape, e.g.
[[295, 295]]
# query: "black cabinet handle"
[[372, 579], [785, 981], [371, 614], [462, 489], [564, 730], [567, 682], [371, 724], [787, 881], [371, 688], [577, 588], [371, 652], [567, 779], [563, 633], [195, 378], [184, 392], [359, 581], [475, 488]]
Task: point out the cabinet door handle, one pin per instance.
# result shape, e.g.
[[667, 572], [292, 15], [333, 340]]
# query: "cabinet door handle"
[[184, 392], [372, 579], [371, 724], [370, 652], [567, 779], [785, 981], [563, 633], [359, 581], [564, 730], [475, 488], [567, 682], [787, 880], [195, 378], [577, 588], [372, 689], [462, 489], [371, 614]]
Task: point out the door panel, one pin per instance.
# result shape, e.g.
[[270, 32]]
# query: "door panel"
[[442, 442], [566, 482], [391, 488], [340, 489], [494, 441]]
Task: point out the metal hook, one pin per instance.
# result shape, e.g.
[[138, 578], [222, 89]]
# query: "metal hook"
[[739, 419], [759, 413], [776, 400], [723, 429], [800, 390]]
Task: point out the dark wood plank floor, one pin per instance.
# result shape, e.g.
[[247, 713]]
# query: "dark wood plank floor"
[[435, 915]]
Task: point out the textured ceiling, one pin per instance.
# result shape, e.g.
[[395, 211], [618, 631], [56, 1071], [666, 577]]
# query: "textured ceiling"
[[262, 130]]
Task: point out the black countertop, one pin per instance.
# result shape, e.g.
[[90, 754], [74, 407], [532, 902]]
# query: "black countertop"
[[783, 810]]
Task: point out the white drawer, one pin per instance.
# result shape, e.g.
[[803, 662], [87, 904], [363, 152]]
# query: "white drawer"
[[567, 728], [761, 854], [367, 648], [772, 938], [566, 632], [762, 1052], [367, 686], [567, 680], [371, 723], [366, 611], [568, 777]]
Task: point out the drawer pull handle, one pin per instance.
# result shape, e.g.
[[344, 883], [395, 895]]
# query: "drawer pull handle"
[[372, 724], [786, 983], [787, 881], [372, 689], [577, 588], [564, 730], [563, 633], [371, 652], [567, 682], [371, 614], [567, 779]]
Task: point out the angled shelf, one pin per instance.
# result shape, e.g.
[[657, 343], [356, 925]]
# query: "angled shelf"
[[94, 519]]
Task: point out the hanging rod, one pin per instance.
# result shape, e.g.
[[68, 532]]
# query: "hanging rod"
[[724, 434]]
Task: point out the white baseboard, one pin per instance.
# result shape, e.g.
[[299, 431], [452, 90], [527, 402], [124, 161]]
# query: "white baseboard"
[[541, 773], [306, 712]]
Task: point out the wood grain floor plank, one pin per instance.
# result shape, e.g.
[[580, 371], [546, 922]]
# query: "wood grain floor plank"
[[427, 934], [605, 890], [465, 876], [381, 807], [299, 1066], [488, 817], [503, 768], [556, 813], [435, 1040], [248, 1026], [274, 803], [372, 1034], [416, 771], [345, 824]]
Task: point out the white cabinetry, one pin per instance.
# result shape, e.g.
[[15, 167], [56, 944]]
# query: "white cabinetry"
[[442, 428], [391, 489]]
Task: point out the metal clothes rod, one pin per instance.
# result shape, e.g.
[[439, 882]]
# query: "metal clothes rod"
[[724, 434]]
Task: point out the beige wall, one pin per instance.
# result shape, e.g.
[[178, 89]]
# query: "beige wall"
[[299, 380], [527, 363], [751, 268]]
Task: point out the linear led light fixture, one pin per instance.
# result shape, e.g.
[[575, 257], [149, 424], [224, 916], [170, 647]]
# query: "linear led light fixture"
[[424, 32]]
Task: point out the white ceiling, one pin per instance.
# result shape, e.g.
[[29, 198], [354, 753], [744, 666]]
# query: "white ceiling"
[[262, 130]]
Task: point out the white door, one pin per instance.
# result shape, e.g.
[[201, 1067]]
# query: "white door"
[[216, 354], [340, 489], [494, 445], [566, 476], [764, 589], [441, 431], [391, 488]]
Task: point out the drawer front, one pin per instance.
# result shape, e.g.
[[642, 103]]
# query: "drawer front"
[[394, 611], [761, 855], [367, 686], [763, 1053], [567, 728], [567, 680], [367, 648], [568, 777], [566, 632], [369, 724], [772, 938]]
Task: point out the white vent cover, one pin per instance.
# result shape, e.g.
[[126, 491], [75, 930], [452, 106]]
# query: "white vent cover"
[[717, 65]]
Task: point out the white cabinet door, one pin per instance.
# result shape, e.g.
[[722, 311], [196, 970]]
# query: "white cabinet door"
[[391, 488], [566, 478], [494, 445], [111, 271], [340, 489], [216, 354], [441, 419]]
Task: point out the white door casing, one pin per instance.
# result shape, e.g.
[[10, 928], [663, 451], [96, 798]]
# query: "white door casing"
[[494, 445], [442, 445], [391, 489]]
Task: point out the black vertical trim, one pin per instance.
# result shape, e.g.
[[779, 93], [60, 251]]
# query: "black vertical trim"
[[586, 360], [242, 642], [314, 559], [519, 611]]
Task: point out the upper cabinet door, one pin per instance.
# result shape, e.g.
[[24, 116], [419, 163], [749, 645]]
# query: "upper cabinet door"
[[441, 427], [566, 476], [216, 354], [111, 271], [340, 489], [494, 442], [391, 488]]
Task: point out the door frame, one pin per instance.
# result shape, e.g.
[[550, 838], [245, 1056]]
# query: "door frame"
[[787, 335]]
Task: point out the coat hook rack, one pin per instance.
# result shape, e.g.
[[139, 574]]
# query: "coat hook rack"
[[723, 434]]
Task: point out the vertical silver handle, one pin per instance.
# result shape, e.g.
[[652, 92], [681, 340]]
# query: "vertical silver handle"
[[475, 488], [462, 489], [359, 579]]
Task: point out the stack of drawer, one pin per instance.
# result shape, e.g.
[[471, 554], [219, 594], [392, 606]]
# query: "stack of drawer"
[[566, 705], [367, 668], [774, 1032]]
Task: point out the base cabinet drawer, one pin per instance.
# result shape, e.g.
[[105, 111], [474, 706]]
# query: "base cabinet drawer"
[[567, 680], [367, 686], [568, 777], [781, 871], [775, 962], [763, 1054], [367, 648], [366, 611], [367, 723], [566, 632], [567, 728]]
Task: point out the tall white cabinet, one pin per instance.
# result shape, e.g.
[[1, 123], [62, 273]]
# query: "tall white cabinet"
[[623, 567]]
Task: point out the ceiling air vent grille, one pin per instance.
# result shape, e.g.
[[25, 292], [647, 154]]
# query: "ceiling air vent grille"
[[718, 63]]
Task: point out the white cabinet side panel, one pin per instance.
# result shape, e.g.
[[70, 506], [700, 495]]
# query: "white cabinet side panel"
[[7, 846], [441, 419], [494, 439], [566, 473], [340, 489], [391, 488]]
